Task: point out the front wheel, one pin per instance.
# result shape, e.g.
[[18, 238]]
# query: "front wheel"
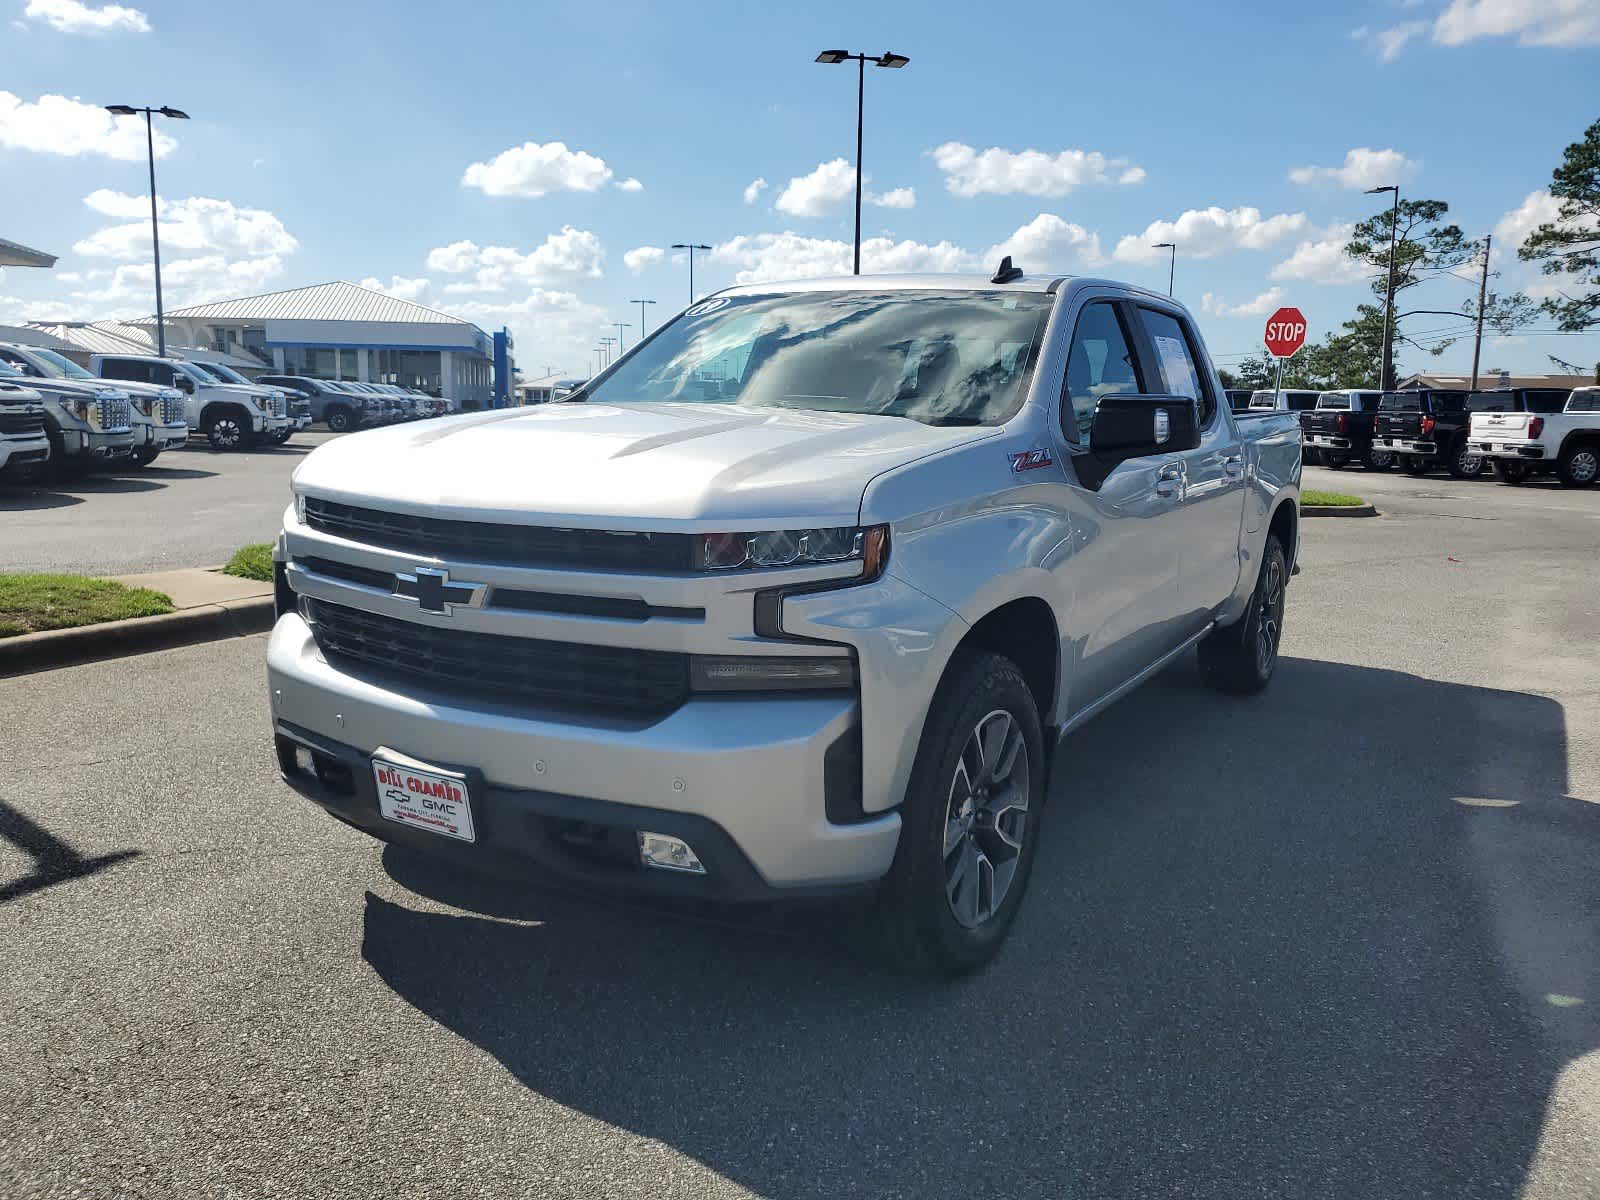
[[970, 822], [227, 431], [282, 436], [339, 420], [143, 456], [1579, 465], [1509, 470], [1243, 656]]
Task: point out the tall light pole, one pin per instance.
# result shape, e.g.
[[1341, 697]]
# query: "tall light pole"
[[619, 326], [691, 247], [642, 321], [887, 59], [130, 110], [1384, 383], [1172, 266], [606, 343]]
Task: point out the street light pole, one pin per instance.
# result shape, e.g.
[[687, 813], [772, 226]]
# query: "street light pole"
[[691, 247], [1385, 381], [129, 110], [642, 321], [1172, 265], [886, 59], [619, 326]]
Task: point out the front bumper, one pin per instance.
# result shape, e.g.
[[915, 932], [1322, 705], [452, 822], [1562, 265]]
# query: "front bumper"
[[265, 423], [742, 776], [161, 437], [1407, 446], [1529, 450], [17, 451], [98, 446]]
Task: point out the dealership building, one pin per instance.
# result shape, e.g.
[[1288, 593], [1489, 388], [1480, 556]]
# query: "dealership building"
[[342, 331]]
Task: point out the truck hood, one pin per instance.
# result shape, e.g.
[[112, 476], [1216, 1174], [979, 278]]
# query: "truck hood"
[[650, 465], [76, 387]]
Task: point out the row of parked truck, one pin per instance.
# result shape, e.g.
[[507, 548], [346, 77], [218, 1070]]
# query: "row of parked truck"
[[1513, 432], [129, 408]]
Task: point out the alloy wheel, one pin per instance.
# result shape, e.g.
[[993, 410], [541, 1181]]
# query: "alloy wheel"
[[1269, 619], [1584, 466], [986, 818], [226, 433]]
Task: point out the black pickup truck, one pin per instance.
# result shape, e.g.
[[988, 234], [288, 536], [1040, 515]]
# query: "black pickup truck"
[[1341, 427], [1427, 428]]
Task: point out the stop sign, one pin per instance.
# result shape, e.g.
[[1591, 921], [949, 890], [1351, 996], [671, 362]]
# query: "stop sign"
[[1286, 332]]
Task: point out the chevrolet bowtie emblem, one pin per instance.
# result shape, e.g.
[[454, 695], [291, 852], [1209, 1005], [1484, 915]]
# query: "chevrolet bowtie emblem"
[[435, 592]]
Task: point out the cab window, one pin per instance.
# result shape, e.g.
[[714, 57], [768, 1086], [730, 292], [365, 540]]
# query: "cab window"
[[1100, 363]]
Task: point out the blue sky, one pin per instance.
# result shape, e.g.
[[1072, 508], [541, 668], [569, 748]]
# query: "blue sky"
[[529, 164]]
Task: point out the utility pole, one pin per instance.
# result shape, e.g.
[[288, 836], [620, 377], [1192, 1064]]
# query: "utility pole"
[[1483, 292]]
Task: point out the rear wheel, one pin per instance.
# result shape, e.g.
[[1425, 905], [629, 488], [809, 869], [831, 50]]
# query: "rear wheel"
[[1579, 464], [1243, 656], [1509, 470], [970, 821], [1378, 460], [1464, 462], [1335, 461]]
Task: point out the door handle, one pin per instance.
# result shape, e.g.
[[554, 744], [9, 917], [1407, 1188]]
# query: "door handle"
[[1234, 465], [1169, 480]]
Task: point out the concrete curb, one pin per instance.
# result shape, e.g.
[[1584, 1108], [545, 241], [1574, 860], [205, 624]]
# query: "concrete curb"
[[1338, 510], [31, 652]]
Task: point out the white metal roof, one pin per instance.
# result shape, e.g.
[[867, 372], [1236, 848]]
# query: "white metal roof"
[[337, 301], [99, 337], [27, 336], [14, 255]]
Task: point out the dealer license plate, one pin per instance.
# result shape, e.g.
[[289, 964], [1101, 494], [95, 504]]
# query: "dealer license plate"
[[423, 797]]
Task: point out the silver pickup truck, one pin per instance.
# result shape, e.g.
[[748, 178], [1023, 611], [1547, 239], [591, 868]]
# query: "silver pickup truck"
[[798, 597]]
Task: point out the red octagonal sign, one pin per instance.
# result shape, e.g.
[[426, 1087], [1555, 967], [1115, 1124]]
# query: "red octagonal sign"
[[1286, 332]]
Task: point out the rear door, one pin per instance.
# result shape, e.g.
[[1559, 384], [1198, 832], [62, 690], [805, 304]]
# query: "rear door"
[[1212, 483]]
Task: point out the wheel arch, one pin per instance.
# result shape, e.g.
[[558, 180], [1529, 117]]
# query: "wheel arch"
[[1023, 630], [1285, 525]]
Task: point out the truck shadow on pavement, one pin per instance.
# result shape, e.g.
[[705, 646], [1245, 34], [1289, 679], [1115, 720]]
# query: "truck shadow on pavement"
[[1328, 941], [54, 861]]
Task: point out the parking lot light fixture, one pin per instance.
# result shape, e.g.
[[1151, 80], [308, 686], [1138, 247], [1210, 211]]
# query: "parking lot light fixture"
[[691, 247], [176, 114], [887, 59], [643, 332], [1172, 264]]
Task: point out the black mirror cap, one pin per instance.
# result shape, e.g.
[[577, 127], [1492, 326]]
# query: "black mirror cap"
[[1139, 426]]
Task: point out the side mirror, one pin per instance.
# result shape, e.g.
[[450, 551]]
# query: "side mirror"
[[1125, 427], [184, 383]]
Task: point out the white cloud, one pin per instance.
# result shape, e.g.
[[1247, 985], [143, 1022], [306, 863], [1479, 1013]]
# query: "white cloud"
[[129, 288], [821, 191], [197, 225], [767, 256], [640, 257], [1048, 243], [1322, 259], [753, 190], [969, 172], [567, 256], [399, 287], [1539, 208], [1362, 168], [532, 170], [1541, 23], [629, 184], [73, 16], [58, 125], [1268, 301], [550, 327], [1388, 43], [901, 197], [1209, 232]]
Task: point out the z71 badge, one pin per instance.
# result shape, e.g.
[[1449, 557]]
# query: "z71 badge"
[[1029, 460]]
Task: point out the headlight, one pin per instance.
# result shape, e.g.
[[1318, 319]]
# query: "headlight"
[[716, 673], [264, 403], [795, 548], [299, 508], [145, 404]]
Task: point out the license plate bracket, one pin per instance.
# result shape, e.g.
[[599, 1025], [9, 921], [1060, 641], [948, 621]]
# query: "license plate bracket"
[[423, 796]]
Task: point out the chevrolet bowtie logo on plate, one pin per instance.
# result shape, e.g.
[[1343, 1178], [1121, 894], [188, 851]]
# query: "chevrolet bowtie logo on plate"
[[435, 592]]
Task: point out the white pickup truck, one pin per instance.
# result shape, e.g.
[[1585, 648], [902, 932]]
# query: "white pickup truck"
[[232, 416], [798, 596], [1522, 443], [22, 437]]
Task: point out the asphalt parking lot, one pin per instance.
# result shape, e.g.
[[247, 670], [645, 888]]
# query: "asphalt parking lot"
[[1342, 939], [190, 508]]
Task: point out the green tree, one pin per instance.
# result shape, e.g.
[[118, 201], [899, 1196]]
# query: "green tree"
[[1424, 246], [1569, 246]]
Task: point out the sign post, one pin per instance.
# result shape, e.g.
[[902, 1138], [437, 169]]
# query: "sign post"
[[1285, 334]]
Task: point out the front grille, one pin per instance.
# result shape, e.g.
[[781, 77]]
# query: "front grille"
[[20, 421], [115, 414], [567, 676], [511, 545], [172, 410], [280, 406]]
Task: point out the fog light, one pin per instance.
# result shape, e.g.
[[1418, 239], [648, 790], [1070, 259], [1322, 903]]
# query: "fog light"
[[668, 853]]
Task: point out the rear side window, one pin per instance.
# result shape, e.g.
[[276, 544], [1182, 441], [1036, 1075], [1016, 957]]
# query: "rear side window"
[[1584, 401], [1264, 400], [1546, 401], [121, 368], [1176, 353], [1450, 402], [1100, 363]]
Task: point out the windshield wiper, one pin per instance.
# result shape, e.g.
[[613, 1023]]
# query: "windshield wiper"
[[955, 420]]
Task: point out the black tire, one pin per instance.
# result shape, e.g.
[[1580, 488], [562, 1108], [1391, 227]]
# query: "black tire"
[[1243, 656], [282, 437], [1415, 465], [228, 430], [1579, 464], [143, 456], [339, 419], [1509, 470], [1334, 461], [919, 926], [1310, 457], [1378, 460], [1462, 463]]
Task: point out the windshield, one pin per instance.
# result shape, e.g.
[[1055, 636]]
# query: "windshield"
[[193, 372], [943, 358], [1401, 402], [1334, 400], [64, 368], [226, 374], [204, 371]]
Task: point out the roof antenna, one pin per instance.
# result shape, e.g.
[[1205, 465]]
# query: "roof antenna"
[[1007, 273]]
